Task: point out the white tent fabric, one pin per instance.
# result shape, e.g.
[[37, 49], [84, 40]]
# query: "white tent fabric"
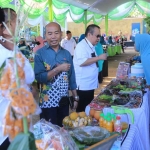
[[123, 12], [98, 6], [102, 7]]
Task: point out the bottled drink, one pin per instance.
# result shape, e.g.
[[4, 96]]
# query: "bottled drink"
[[105, 121], [118, 127], [101, 120], [109, 124]]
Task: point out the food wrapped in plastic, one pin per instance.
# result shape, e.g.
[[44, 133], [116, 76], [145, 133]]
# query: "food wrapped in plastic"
[[49, 136], [90, 135], [15, 90]]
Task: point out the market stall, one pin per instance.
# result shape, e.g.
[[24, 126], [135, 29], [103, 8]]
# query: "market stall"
[[113, 50], [141, 121], [128, 98]]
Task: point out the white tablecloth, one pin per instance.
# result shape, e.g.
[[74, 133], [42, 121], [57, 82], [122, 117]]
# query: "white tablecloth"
[[132, 140], [141, 119]]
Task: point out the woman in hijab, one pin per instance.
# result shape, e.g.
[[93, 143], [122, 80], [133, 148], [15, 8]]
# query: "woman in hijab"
[[99, 51], [40, 43], [82, 36], [110, 40], [102, 41], [142, 45]]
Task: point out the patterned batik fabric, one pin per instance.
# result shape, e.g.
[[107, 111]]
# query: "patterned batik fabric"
[[56, 89]]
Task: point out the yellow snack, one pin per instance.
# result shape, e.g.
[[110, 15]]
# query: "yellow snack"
[[82, 114], [73, 116]]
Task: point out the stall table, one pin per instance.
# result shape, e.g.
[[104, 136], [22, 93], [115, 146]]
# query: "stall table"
[[129, 43], [113, 50], [141, 119]]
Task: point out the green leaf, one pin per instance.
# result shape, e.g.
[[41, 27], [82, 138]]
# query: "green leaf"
[[23, 142], [32, 145]]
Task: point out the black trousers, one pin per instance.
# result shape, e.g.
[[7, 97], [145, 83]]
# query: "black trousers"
[[5, 145], [105, 68], [100, 77], [85, 97], [55, 114]]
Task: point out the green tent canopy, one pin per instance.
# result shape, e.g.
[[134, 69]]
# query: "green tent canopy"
[[94, 10]]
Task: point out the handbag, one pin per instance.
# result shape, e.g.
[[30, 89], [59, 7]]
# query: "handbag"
[[67, 100]]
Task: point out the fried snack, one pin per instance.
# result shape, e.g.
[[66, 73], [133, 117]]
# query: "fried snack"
[[22, 101], [5, 80], [12, 126]]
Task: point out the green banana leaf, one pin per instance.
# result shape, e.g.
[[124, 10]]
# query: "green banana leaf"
[[23, 142]]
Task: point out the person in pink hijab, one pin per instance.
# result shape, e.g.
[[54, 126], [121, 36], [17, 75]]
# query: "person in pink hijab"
[[40, 43]]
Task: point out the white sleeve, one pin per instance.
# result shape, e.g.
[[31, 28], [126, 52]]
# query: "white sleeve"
[[81, 54], [62, 43], [29, 73], [74, 43]]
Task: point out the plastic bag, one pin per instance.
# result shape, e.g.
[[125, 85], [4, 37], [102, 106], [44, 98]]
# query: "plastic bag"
[[90, 135], [14, 88], [49, 136]]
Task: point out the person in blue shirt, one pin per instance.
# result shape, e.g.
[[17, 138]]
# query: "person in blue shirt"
[[54, 70], [99, 51], [142, 45]]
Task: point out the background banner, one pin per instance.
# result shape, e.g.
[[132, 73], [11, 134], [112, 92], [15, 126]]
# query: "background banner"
[[135, 30]]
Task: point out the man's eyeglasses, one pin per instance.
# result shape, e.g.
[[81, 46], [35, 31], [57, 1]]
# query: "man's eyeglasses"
[[98, 36]]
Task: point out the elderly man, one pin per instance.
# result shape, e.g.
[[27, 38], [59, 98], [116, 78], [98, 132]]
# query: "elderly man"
[[54, 69], [85, 63], [69, 43]]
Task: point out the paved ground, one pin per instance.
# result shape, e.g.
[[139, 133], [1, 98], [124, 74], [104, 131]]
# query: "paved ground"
[[112, 68]]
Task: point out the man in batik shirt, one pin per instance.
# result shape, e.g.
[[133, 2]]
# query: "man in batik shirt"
[[54, 70]]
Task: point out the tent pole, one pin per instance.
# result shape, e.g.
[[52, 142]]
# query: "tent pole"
[[50, 11], [37, 29], [106, 25], [85, 15]]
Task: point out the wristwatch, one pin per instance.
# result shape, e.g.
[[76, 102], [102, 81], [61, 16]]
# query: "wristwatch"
[[76, 98]]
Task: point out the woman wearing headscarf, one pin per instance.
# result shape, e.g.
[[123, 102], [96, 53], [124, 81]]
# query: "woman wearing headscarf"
[[110, 40], [104, 72], [99, 51], [82, 36], [142, 45], [102, 41], [40, 43]]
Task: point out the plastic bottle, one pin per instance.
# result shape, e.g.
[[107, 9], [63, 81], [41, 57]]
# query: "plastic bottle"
[[101, 120], [105, 121], [109, 124], [108, 115], [118, 127], [113, 119]]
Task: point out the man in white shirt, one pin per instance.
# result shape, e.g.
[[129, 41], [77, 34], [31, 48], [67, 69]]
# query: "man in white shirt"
[[69, 43], [85, 64], [6, 51]]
